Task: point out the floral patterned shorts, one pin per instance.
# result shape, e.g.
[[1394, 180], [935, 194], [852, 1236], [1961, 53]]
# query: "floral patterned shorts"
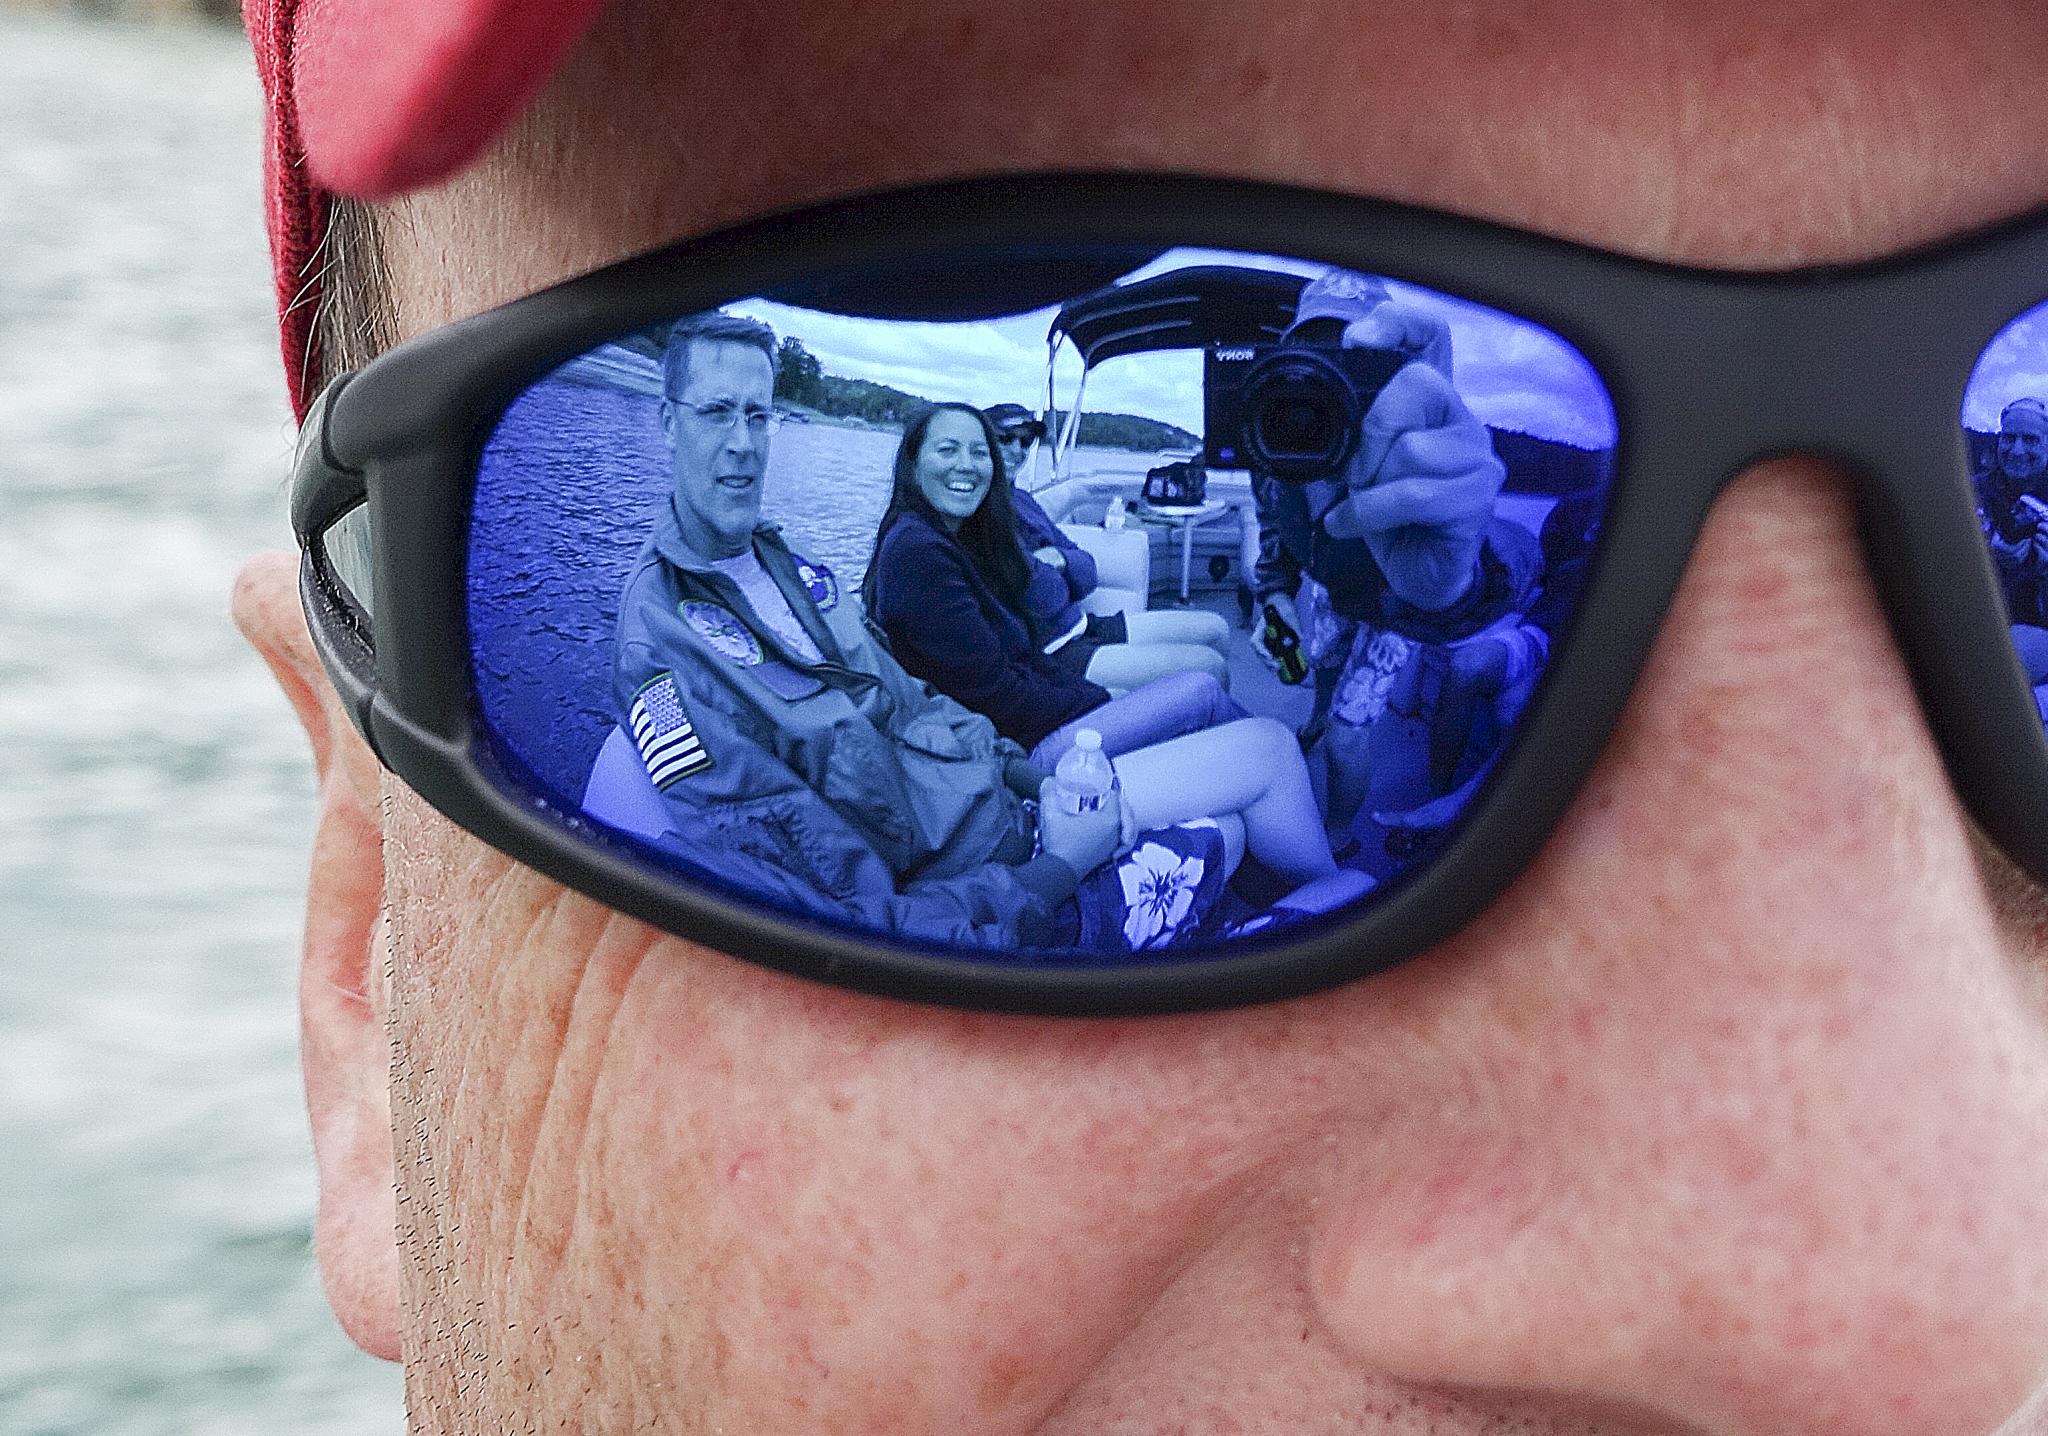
[[1165, 892]]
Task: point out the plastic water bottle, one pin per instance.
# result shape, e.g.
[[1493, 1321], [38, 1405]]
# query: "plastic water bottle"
[[1084, 781], [1113, 517]]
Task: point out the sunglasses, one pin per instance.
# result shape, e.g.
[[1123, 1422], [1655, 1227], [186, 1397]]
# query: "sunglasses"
[[808, 689]]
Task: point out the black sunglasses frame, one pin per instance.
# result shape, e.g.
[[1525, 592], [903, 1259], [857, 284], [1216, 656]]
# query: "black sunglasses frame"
[[1710, 372]]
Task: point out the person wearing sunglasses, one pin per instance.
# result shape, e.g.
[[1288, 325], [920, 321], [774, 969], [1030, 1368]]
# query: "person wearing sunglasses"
[[1119, 651], [1706, 1090]]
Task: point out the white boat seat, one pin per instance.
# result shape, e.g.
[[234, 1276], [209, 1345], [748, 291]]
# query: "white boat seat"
[[619, 793], [1123, 567]]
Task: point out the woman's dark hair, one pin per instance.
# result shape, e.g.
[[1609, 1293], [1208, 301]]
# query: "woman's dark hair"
[[989, 534]]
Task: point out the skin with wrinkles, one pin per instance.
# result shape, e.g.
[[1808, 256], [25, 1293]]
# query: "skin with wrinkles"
[[1729, 1119]]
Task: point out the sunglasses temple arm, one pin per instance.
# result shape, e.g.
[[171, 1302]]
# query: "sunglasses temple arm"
[[323, 488]]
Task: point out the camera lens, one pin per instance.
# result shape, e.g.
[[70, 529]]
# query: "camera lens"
[[1289, 423], [1303, 415]]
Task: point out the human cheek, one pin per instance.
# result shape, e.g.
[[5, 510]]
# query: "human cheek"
[[928, 1222], [642, 1180]]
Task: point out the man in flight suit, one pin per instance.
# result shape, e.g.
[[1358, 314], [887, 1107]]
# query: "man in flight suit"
[[792, 752]]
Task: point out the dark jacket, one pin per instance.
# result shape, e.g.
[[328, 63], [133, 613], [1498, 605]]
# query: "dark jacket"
[[845, 789], [947, 626], [1052, 601]]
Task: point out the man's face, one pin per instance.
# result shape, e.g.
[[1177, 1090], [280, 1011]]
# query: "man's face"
[[1729, 1119], [719, 457], [2023, 446], [1015, 447]]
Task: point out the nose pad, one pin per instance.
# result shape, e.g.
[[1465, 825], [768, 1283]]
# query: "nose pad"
[[1735, 1114]]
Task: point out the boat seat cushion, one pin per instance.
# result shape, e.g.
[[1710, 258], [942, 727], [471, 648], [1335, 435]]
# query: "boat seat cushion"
[[1123, 567]]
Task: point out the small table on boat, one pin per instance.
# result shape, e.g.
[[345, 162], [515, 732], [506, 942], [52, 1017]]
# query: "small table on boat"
[[1187, 519]]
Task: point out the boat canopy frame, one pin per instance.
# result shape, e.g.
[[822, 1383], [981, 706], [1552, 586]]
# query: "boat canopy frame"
[[1191, 308]]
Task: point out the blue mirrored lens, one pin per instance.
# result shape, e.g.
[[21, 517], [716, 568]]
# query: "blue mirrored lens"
[[2005, 429], [1228, 650]]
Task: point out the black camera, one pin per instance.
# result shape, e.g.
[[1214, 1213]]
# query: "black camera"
[[1291, 410]]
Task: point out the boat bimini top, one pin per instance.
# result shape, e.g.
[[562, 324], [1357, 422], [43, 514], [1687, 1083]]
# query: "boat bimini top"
[[1195, 308]]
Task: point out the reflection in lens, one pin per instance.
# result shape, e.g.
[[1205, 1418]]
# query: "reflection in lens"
[[2005, 427], [346, 547], [1213, 657]]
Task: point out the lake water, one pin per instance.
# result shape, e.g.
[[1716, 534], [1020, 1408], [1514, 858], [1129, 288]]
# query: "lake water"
[[156, 1183]]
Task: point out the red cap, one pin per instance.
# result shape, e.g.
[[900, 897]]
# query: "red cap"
[[371, 98]]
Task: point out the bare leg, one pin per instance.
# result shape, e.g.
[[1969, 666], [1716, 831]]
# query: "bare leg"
[[1232, 828], [1253, 768], [1478, 671], [1347, 749], [1325, 893], [1164, 708]]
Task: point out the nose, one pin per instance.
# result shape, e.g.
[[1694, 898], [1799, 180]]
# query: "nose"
[[1731, 1116]]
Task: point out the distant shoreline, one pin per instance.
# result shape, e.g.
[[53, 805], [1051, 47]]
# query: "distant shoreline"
[[804, 414]]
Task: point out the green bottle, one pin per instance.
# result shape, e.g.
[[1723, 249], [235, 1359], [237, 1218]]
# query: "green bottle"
[[1284, 644]]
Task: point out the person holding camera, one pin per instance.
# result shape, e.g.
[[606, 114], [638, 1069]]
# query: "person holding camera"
[[2012, 496], [1391, 543]]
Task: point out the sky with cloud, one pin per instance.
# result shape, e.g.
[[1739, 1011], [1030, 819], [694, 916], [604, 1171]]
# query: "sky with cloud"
[[2014, 366], [1513, 374]]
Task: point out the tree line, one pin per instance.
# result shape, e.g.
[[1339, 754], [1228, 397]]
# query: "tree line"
[[1550, 466], [800, 379]]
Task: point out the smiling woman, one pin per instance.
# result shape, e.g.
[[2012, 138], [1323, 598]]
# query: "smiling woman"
[[955, 465]]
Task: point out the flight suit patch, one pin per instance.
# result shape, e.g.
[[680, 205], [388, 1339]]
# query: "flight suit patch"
[[820, 583], [722, 632]]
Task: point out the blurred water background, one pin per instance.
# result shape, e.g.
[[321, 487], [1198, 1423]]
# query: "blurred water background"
[[156, 1181]]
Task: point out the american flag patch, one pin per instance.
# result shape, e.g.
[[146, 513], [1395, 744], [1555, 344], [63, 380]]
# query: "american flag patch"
[[661, 731]]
